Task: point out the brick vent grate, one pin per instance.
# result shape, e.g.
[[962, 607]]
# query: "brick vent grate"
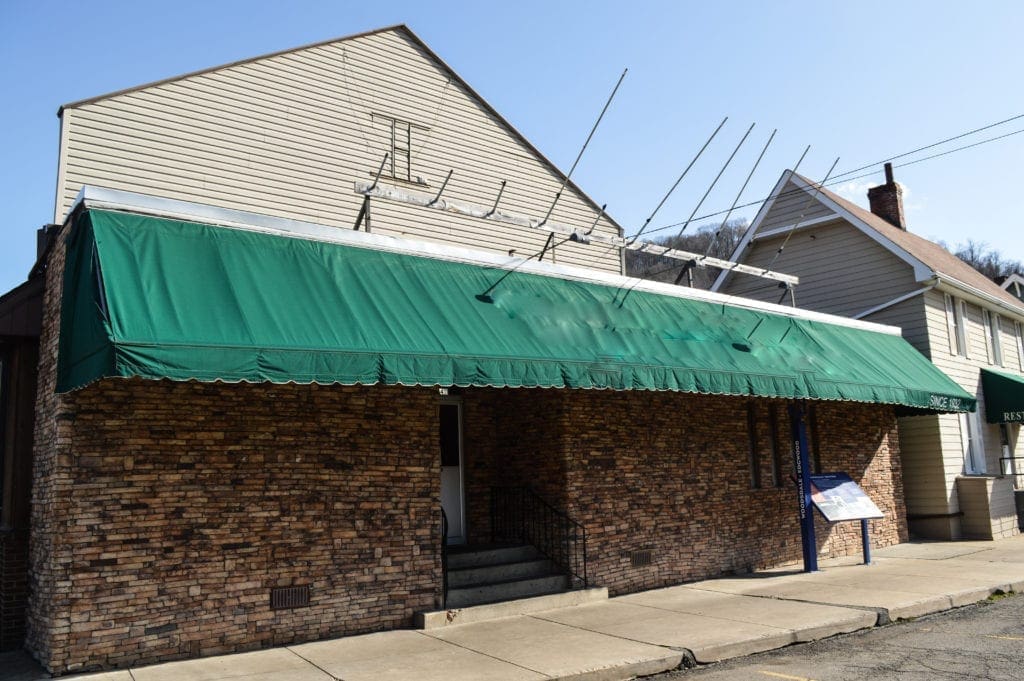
[[288, 597], [641, 558]]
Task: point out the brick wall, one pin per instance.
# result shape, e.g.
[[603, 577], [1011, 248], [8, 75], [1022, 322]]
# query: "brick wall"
[[187, 503], [670, 473], [163, 513]]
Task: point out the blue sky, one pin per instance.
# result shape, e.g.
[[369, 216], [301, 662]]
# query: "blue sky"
[[861, 81]]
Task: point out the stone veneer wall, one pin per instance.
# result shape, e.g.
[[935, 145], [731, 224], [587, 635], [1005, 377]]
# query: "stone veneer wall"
[[164, 513], [669, 473]]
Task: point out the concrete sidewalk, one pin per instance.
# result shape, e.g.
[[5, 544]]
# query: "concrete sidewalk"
[[643, 633]]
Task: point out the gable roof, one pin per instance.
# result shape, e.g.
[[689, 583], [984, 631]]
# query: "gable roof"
[[397, 28], [934, 256], [928, 258], [1012, 279]]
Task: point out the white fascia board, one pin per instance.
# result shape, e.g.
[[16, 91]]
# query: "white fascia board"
[[749, 234], [1011, 280], [117, 200], [796, 227], [922, 272], [955, 287]]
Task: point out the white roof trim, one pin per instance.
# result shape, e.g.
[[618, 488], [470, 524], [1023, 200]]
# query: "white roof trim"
[[956, 287], [117, 200], [922, 272], [1012, 279], [751, 230], [797, 226]]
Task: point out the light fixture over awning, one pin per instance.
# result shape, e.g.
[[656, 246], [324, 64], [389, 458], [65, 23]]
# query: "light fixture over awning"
[[157, 298]]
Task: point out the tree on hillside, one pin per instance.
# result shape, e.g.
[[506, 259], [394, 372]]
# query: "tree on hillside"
[[650, 266], [987, 261]]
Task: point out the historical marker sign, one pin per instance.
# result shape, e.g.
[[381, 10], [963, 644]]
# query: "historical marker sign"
[[838, 498]]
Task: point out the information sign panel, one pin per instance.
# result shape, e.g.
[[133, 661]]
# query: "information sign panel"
[[838, 498]]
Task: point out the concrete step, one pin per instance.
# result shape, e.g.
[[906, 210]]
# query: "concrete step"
[[492, 611], [500, 572], [459, 558], [506, 591]]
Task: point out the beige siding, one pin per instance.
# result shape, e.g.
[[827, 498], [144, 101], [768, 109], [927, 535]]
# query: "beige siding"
[[841, 270], [793, 205], [288, 135], [910, 316]]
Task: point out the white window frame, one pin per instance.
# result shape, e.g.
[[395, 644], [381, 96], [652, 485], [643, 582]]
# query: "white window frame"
[[990, 337], [954, 325], [964, 335], [973, 443]]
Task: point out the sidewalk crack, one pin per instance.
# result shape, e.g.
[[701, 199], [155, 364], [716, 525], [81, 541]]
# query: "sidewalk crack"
[[480, 652], [313, 664]]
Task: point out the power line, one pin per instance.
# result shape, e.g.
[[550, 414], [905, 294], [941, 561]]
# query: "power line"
[[842, 177]]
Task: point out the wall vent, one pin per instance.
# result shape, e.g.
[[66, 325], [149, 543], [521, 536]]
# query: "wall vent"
[[641, 558], [288, 597]]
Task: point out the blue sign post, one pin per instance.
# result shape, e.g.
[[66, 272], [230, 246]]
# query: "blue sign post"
[[802, 464]]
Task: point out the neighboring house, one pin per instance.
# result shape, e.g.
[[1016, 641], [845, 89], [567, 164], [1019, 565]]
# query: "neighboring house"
[[1013, 283], [866, 265], [256, 425]]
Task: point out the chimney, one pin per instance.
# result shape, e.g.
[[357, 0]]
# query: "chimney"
[[887, 200]]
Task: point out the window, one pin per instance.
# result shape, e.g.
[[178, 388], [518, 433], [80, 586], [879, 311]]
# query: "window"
[[974, 446], [992, 349], [955, 316], [773, 442], [399, 142], [753, 452]]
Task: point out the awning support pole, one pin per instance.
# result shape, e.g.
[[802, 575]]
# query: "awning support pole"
[[802, 467], [547, 245], [364, 213]]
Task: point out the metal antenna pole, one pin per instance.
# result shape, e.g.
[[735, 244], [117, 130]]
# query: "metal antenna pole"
[[441, 190], [661, 203], [380, 170], [565, 180], [496, 199], [715, 181], [725, 220], [803, 212]]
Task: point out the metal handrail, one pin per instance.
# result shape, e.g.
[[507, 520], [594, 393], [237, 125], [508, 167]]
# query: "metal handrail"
[[1008, 465], [444, 559], [520, 514]]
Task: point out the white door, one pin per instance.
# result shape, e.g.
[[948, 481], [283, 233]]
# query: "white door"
[[451, 469]]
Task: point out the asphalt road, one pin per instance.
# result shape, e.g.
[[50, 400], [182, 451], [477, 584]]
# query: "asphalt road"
[[983, 641]]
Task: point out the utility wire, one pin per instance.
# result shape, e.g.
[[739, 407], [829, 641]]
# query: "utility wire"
[[843, 177]]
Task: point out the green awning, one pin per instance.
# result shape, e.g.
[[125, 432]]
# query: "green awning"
[[1004, 396], [160, 298]]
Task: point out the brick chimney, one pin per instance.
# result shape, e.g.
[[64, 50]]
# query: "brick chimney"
[[887, 200]]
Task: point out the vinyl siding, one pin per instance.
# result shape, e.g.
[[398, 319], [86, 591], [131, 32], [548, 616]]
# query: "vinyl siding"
[[289, 135], [966, 372], [793, 205], [841, 270]]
